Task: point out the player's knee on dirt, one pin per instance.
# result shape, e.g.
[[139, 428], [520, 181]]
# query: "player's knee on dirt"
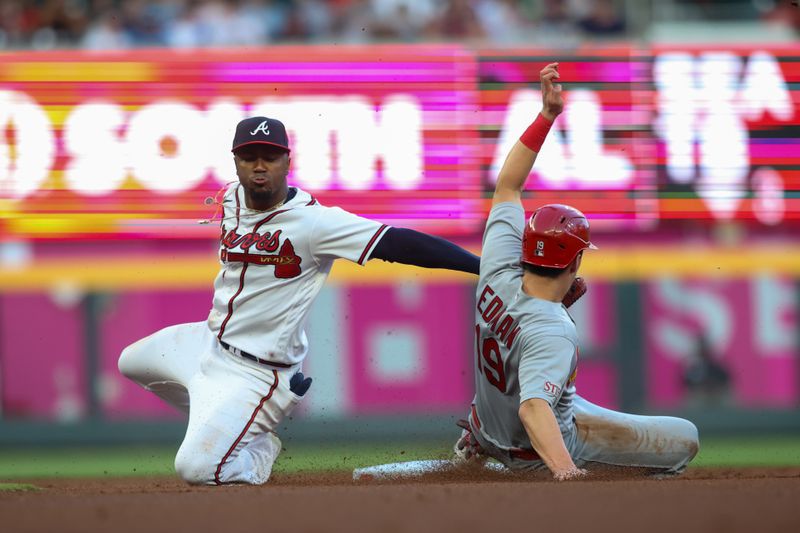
[[194, 468], [692, 438], [685, 443]]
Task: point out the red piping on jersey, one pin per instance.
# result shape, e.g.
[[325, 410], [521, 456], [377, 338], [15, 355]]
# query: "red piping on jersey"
[[244, 266], [230, 302], [312, 202], [369, 244], [238, 207], [241, 276], [255, 228], [246, 427]]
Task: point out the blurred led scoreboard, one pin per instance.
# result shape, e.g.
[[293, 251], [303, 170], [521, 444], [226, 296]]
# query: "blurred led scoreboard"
[[122, 145], [658, 135]]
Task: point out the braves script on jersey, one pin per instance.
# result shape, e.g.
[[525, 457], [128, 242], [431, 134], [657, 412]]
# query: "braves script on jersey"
[[273, 265], [525, 347]]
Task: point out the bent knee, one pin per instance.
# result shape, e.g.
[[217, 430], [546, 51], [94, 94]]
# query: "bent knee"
[[136, 360], [125, 364], [692, 438], [195, 469], [686, 440], [128, 363]]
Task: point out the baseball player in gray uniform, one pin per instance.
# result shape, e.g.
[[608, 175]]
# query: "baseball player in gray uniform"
[[238, 374], [526, 413]]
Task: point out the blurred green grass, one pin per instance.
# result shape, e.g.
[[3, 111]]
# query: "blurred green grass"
[[142, 461], [17, 487]]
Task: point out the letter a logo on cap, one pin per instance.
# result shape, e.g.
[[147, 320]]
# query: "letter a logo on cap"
[[263, 127], [258, 130]]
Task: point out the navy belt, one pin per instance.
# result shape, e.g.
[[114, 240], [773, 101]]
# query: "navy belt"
[[242, 353]]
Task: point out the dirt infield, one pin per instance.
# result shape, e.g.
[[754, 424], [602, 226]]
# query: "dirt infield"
[[707, 500]]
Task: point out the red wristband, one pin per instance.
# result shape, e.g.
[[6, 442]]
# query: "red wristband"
[[534, 136]]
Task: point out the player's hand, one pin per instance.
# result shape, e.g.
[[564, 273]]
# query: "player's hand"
[[552, 99], [576, 290], [467, 448], [572, 473]]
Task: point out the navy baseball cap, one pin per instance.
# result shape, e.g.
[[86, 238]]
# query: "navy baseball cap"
[[260, 130]]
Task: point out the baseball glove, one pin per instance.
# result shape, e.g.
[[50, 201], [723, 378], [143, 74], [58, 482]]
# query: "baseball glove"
[[299, 384], [577, 290]]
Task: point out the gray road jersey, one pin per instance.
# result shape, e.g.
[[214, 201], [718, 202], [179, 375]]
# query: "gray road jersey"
[[525, 347]]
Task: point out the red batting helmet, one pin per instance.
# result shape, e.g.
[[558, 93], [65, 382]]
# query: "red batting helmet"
[[554, 235]]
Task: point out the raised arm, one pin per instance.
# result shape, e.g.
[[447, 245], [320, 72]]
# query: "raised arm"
[[519, 162]]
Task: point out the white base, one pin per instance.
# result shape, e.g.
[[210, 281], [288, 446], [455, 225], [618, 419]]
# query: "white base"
[[410, 469]]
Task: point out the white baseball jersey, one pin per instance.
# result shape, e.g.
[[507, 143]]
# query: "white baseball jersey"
[[273, 265], [526, 347]]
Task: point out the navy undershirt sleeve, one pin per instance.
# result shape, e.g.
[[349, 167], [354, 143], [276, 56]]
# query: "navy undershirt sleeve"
[[402, 245]]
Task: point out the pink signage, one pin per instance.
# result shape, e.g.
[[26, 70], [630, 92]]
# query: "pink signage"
[[406, 348], [129, 317], [427, 366], [42, 365], [746, 330]]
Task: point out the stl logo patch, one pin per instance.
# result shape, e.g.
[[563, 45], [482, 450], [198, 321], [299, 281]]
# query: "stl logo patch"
[[263, 128], [552, 389]]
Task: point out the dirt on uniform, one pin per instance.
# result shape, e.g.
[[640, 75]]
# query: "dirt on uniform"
[[702, 500]]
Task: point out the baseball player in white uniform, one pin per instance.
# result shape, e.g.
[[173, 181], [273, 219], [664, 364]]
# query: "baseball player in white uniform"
[[526, 413], [237, 374]]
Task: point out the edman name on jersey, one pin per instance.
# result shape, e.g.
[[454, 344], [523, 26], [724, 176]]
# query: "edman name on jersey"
[[502, 324]]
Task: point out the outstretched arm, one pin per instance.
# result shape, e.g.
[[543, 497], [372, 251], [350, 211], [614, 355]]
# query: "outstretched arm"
[[520, 159], [545, 436], [401, 245]]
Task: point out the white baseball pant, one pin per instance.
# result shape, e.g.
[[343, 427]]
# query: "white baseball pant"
[[234, 404]]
